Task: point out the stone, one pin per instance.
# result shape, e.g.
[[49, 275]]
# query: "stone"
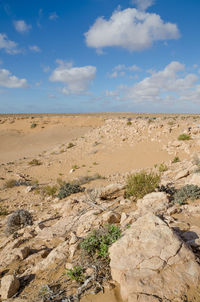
[[150, 259], [195, 180], [9, 286], [111, 217], [182, 174], [23, 252], [156, 202]]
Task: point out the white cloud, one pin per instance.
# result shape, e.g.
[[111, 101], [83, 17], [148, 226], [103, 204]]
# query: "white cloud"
[[163, 84], [21, 26], [113, 75], [8, 45], [121, 69], [10, 81], [77, 79], [131, 29], [53, 16], [143, 4], [34, 48]]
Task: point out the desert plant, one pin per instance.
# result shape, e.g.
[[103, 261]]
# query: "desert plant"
[[140, 184], [184, 137], [67, 189], [99, 240], [3, 212], [129, 123], [176, 160], [49, 190], [70, 145], [33, 125], [45, 292], [75, 167], [10, 183], [76, 273], [86, 179], [35, 162], [17, 220], [185, 193], [162, 168]]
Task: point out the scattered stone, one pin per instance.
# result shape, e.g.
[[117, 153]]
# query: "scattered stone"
[[111, 217], [9, 286]]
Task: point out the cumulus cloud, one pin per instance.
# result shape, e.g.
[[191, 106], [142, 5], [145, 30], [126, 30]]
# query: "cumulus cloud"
[[21, 26], [143, 4], [121, 69], [10, 81], [163, 84], [34, 48], [76, 79], [53, 16], [131, 29], [9, 46]]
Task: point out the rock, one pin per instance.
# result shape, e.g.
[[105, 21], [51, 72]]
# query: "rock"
[[23, 252], [182, 174], [195, 180], [151, 260], [156, 202], [111, 217], [192, 236], [110, 189], [9, 286]]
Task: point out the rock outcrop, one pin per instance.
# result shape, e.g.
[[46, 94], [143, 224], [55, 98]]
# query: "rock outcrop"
[[151, 263]]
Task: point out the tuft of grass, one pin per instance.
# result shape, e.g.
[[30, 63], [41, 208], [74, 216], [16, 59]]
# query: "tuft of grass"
[[140, 184], [162, 168], [70, 145], [11, 183], [76, 273], [66, 189], [176, 160], [129, 123], [33, 125], [185, 193], [75, 167], [99, 240], [35, 162], [3, 212], [184, 137], [82, 180], [50, 190]]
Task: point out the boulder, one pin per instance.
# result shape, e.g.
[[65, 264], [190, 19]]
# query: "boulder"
[[156, 202], [111, 217], [9, 286], [151, 263]]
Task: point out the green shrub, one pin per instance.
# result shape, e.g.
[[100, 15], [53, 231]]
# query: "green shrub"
[[140, 184], [176, 160], [33, 125], [185, 193], [99, 241], [49, 190], [162, 168], [76, 273], [129, 123], [67, 189], [35, 162], [184, 137]]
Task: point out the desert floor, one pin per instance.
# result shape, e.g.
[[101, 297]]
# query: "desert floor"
[[68, 147]]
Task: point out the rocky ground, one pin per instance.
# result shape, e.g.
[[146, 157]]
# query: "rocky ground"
[[157, 256]]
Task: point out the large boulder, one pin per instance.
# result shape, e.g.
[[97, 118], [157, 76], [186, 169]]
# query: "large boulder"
[[151, 263], [156, 202]]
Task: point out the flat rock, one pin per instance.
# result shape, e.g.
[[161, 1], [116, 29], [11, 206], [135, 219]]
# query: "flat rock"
[[151, 260], [9, 286]]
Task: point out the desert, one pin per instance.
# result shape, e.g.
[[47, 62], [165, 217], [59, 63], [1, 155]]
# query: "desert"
[[65, 184]]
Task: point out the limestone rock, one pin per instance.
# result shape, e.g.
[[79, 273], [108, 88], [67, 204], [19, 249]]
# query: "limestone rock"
[[150, 259], [195, 180], [9, 286], [111, 217], [156, 202], [182, 174]]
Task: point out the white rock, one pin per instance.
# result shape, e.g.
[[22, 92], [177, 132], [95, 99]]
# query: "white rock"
[[9, 286]]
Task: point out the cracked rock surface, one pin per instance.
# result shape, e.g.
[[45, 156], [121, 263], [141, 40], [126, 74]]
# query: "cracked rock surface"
[[151, 263]]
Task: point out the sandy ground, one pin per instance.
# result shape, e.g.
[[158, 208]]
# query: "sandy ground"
[[112, 145]]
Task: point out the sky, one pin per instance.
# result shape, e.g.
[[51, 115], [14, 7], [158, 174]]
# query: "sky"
[[69, 56]]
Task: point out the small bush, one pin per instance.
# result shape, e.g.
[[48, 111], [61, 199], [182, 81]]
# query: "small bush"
[[10, 183], [162, 168], [99, 241], [70, 145], [33, 125], [50, 190], [86, 179], [17, 220], [35, 162], [140, 184], [76, 273], [184, 137], [68, 188], [129, 123], [3, 212], [185, 193], [175, 160]]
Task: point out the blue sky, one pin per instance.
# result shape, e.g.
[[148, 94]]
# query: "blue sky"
[[99, 55]]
